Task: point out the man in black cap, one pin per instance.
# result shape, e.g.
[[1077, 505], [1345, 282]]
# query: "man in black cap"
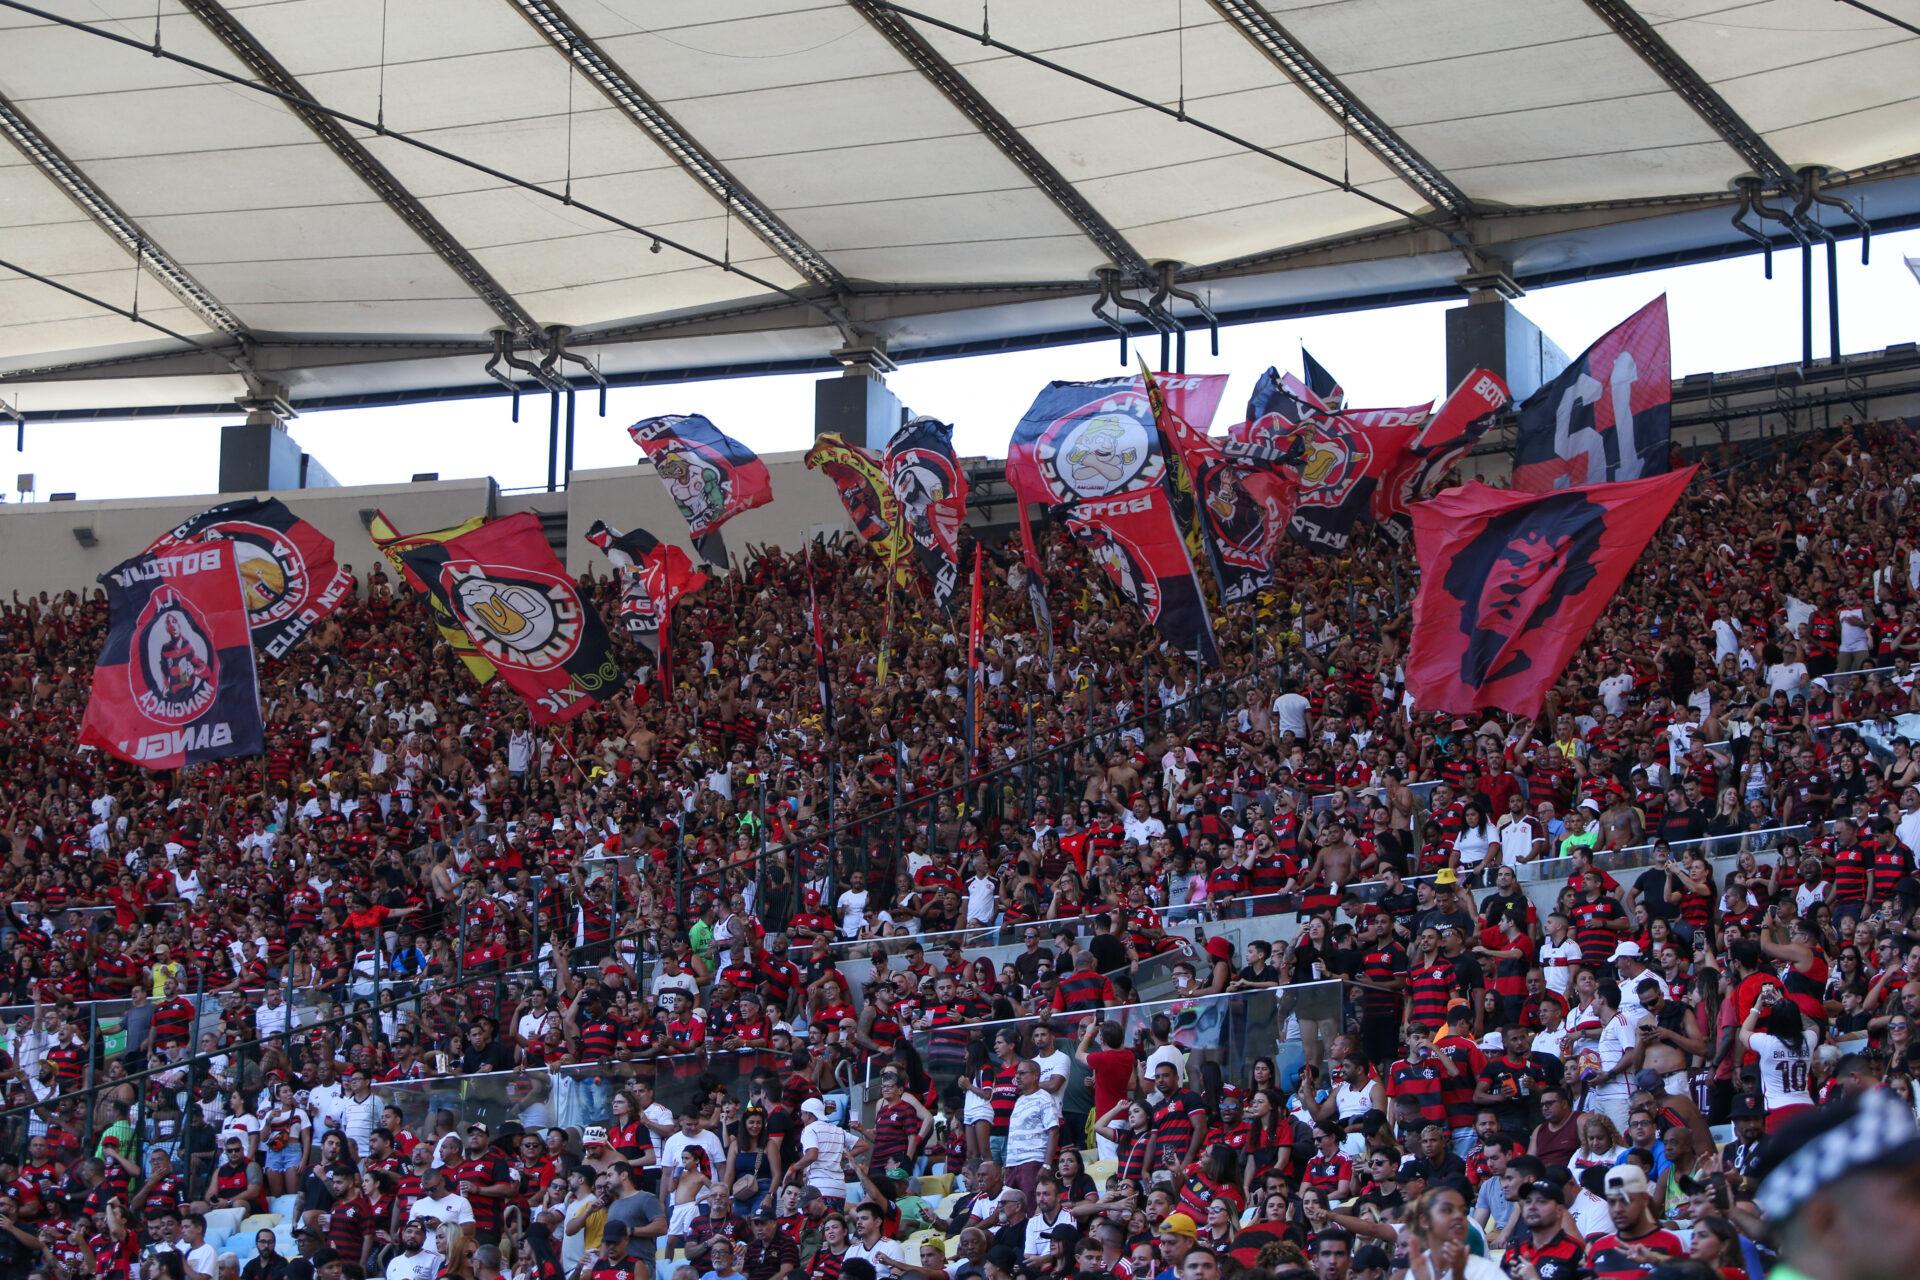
[[770, 1253], [1742, 1155], [1544, 1250], [1370, 1262], [1841, 1187]]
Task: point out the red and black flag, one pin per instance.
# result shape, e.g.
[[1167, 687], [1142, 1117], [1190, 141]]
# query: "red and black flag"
[[822, 673], [1325, 387], [860, 476], [286, 566], [1285, 395], [1445, 439], [1090, 454], [1238, 509], [506, 590], [176, 684], [394, 545], [1512, 582], [709, 475], [653, 575], [931, 489], [1342, 467], [1608, 416]]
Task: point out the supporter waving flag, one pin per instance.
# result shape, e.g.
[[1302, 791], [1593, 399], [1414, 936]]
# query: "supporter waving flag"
[[510, 595], [861, 477], [286, 566], [654, 575], [822, 673], [709, 475], [1512, 582], [1091, 453], [1609, 414], [395, 545], [931, 489], [176, 684]]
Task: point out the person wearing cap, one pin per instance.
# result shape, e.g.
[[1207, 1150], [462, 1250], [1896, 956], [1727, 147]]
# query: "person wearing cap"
[[1545, 1250], [769, 1253], [485, 1178], [1177, 1233], [824, 1147], [1369, 1262], [1840, 1186], [1742, 1156], [1637, 1239], [1630, 962]]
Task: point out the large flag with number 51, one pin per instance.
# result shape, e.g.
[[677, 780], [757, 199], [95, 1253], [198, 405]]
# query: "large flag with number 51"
[[1608, 416]]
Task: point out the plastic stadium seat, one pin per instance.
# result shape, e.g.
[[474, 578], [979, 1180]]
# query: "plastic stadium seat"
[[933, 1184], [1101, 1170]]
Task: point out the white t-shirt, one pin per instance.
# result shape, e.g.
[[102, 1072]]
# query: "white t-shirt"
[[205, 1260], [1785, 677], [676, 1146], [1557, 960], [885, 1255], [1059, 1064], [1616, 1038], [418, 1266], [1854, 636], [1630, 993], [1290, 714], [853, 911], [1033, 1121], [1783, 1070], [831, 1141], [451, 1208], [982, 899], [1613, 693]]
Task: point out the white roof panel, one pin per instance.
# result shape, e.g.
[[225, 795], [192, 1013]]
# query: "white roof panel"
[[854, 172]]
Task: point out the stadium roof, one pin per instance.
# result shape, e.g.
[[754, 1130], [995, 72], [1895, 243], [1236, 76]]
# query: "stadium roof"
[[346, 196]]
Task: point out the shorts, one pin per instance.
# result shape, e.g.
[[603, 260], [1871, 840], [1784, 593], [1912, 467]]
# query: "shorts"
[[684, 1216], [285, 1159]]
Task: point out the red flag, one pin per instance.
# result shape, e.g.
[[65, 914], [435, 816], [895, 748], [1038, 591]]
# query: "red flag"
[[175, 684], [286, 566], [1512, 582], [709, 475], [1607, 416], [1442, 442], [503, 585]]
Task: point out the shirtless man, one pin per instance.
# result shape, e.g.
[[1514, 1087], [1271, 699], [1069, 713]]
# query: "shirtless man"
[[1336, 862], [1620, 824]]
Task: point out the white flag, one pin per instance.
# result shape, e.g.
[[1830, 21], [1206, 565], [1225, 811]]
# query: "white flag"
[[1913, 265]]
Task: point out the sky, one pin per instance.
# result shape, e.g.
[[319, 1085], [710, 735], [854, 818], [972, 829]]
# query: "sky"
[[1725, 316]]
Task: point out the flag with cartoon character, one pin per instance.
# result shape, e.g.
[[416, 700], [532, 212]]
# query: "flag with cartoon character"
[[709, 475]]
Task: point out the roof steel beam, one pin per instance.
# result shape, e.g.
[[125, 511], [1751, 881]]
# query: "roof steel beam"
[[1706, 102], [108, 216], [1253, 21], [915, 48], [620, 88], [271, 73]]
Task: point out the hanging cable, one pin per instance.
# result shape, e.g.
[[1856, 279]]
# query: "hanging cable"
[[1884, 16], [380, 105], [567, 193]]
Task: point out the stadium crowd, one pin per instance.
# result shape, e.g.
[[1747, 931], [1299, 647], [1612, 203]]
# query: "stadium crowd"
[[425, 992]]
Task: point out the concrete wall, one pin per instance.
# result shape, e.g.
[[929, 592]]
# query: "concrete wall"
[[804, 503], [38, 550]]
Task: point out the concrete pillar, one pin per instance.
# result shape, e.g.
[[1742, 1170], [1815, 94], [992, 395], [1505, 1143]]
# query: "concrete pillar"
[[1490, 333], [857, 404], [258, 453]]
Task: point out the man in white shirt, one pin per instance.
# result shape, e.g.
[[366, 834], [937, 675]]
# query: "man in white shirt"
[[689, 1134], [823, 1148], [1559, 954], [889, 1257], [1054, 1065], [1631, 963], [1908, 831], [270, 1019], [413, 1262], [1290, 713], [1033, 1131], [1522, 838], [439, 1203], [1140, 827], [1047, 1215]]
